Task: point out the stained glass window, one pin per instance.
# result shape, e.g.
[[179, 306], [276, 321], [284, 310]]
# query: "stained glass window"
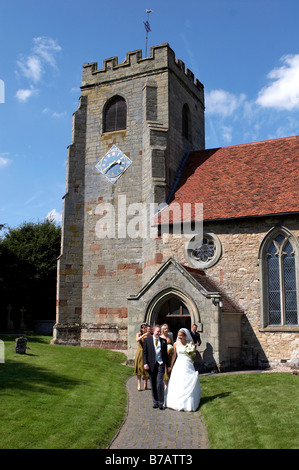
[[274, 287], [282, 283], [205, 251], [289, 276]]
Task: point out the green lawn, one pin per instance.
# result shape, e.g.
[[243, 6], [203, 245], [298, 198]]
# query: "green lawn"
[[60, 397], [251, 411], [64, 397]]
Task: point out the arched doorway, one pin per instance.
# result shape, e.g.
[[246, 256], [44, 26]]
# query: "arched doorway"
[[173, 307], [175, 313]]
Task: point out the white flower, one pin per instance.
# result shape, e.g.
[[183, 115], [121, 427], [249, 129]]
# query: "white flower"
[[190, 350]]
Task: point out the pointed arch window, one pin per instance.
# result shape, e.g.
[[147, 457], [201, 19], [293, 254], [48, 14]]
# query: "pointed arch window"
[[115, 114], [280, 279]]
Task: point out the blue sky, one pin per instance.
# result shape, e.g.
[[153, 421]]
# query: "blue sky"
[[245, 52]]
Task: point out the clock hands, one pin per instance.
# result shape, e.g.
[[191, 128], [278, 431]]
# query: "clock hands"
[[115, 162]]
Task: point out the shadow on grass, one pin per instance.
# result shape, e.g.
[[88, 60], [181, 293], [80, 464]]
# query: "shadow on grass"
[[214, 397], [16, 375], [10, 338]]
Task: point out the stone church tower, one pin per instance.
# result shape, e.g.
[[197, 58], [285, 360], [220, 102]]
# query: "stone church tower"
[[135, 122]]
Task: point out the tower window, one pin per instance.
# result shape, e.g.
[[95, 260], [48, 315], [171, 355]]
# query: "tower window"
[[186, 122], [115, 115]]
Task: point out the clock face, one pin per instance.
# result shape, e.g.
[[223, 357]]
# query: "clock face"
[[113, 164]]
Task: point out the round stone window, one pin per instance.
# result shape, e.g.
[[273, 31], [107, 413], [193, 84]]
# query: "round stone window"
[[203, 251]]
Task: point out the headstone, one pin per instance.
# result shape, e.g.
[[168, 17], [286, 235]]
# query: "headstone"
[[20, 345]]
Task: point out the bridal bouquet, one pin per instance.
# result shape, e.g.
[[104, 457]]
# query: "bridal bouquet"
[[190, 350], [170, 349]]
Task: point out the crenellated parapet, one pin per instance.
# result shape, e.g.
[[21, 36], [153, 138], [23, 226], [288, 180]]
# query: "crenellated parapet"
[[161, 58]]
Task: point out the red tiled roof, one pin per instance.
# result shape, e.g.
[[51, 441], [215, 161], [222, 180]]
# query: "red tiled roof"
[[243, 180], [229, 306]]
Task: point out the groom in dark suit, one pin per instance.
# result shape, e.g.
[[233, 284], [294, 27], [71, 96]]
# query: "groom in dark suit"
[[155, 358]]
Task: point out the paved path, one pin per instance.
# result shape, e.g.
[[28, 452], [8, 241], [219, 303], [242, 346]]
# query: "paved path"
[[146, 427]]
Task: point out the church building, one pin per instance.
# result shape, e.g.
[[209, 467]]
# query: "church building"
[[158, 229]]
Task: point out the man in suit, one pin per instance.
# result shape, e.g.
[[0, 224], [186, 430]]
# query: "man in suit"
[[155, 358], [195, 335]]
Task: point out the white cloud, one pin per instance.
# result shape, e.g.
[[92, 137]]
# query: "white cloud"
[[31, 67], [25, 94], [54, 114], [4, 162], [54, 216], [35, 64], [59, 115], [233, 118], [2, 91], [283, 93], [45, 48], [223, 103], [75, 89], [36, 196], [227, 133]]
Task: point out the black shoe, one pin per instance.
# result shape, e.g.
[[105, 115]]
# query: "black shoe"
[[161, 407], [155, 406]]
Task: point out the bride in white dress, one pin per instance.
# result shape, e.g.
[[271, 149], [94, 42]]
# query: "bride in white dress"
[[183, 392]]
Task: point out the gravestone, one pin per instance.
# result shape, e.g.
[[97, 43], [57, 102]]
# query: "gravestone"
[[21, 345]]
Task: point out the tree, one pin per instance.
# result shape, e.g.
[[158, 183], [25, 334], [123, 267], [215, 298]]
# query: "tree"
[[28, 262]]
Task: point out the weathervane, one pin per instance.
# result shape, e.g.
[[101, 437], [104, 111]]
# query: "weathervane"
[[147, 29]]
